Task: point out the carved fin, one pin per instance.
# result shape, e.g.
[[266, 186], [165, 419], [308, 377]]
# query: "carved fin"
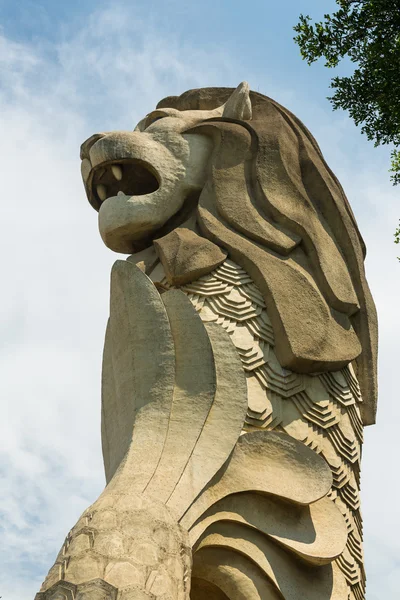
[[271, 463], [143, 367], [316, 533], [234, 574], [227, 414], [195, 386], [314, 583]]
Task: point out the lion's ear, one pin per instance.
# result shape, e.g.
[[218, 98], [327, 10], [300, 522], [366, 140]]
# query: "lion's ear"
[[238, 105]]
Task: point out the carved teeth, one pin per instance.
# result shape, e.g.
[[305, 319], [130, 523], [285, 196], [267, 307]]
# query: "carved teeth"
[[101, 192], [117, 172]]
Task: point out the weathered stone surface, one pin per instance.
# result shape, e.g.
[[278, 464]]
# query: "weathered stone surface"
[[313, 584], [271, 463], [232, 416], [138, 373], [228, 412], [186, 256], [147, 551], [316, 532], [194, 391]]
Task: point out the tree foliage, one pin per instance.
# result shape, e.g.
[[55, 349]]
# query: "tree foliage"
[[368, 33], [397, 236]]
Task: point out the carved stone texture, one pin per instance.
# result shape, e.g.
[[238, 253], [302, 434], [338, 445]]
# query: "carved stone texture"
[[186, 256], [240, 327], [322, 411], [123, 546], [96, 589], [62, 590]]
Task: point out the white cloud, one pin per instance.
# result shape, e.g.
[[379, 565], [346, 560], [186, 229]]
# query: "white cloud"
[[55, 275]]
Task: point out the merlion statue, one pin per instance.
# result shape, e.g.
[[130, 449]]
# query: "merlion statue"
[[239, 363]]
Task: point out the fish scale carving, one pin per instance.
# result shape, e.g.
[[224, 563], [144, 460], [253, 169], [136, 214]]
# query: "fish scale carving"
[[320, 410]]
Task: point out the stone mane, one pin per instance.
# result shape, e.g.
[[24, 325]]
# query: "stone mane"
[[273, 203]]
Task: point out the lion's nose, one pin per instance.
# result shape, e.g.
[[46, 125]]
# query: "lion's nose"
[[85, 147]]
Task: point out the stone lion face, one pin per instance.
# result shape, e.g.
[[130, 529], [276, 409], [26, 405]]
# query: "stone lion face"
[[138, 180]]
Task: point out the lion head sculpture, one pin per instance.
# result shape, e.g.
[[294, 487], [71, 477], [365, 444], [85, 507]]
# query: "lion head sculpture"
[[217, 172]]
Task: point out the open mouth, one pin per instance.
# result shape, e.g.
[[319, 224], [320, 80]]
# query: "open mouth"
[[132, 178]]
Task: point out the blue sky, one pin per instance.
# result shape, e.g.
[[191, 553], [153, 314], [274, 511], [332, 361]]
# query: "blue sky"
[[68, 70]]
